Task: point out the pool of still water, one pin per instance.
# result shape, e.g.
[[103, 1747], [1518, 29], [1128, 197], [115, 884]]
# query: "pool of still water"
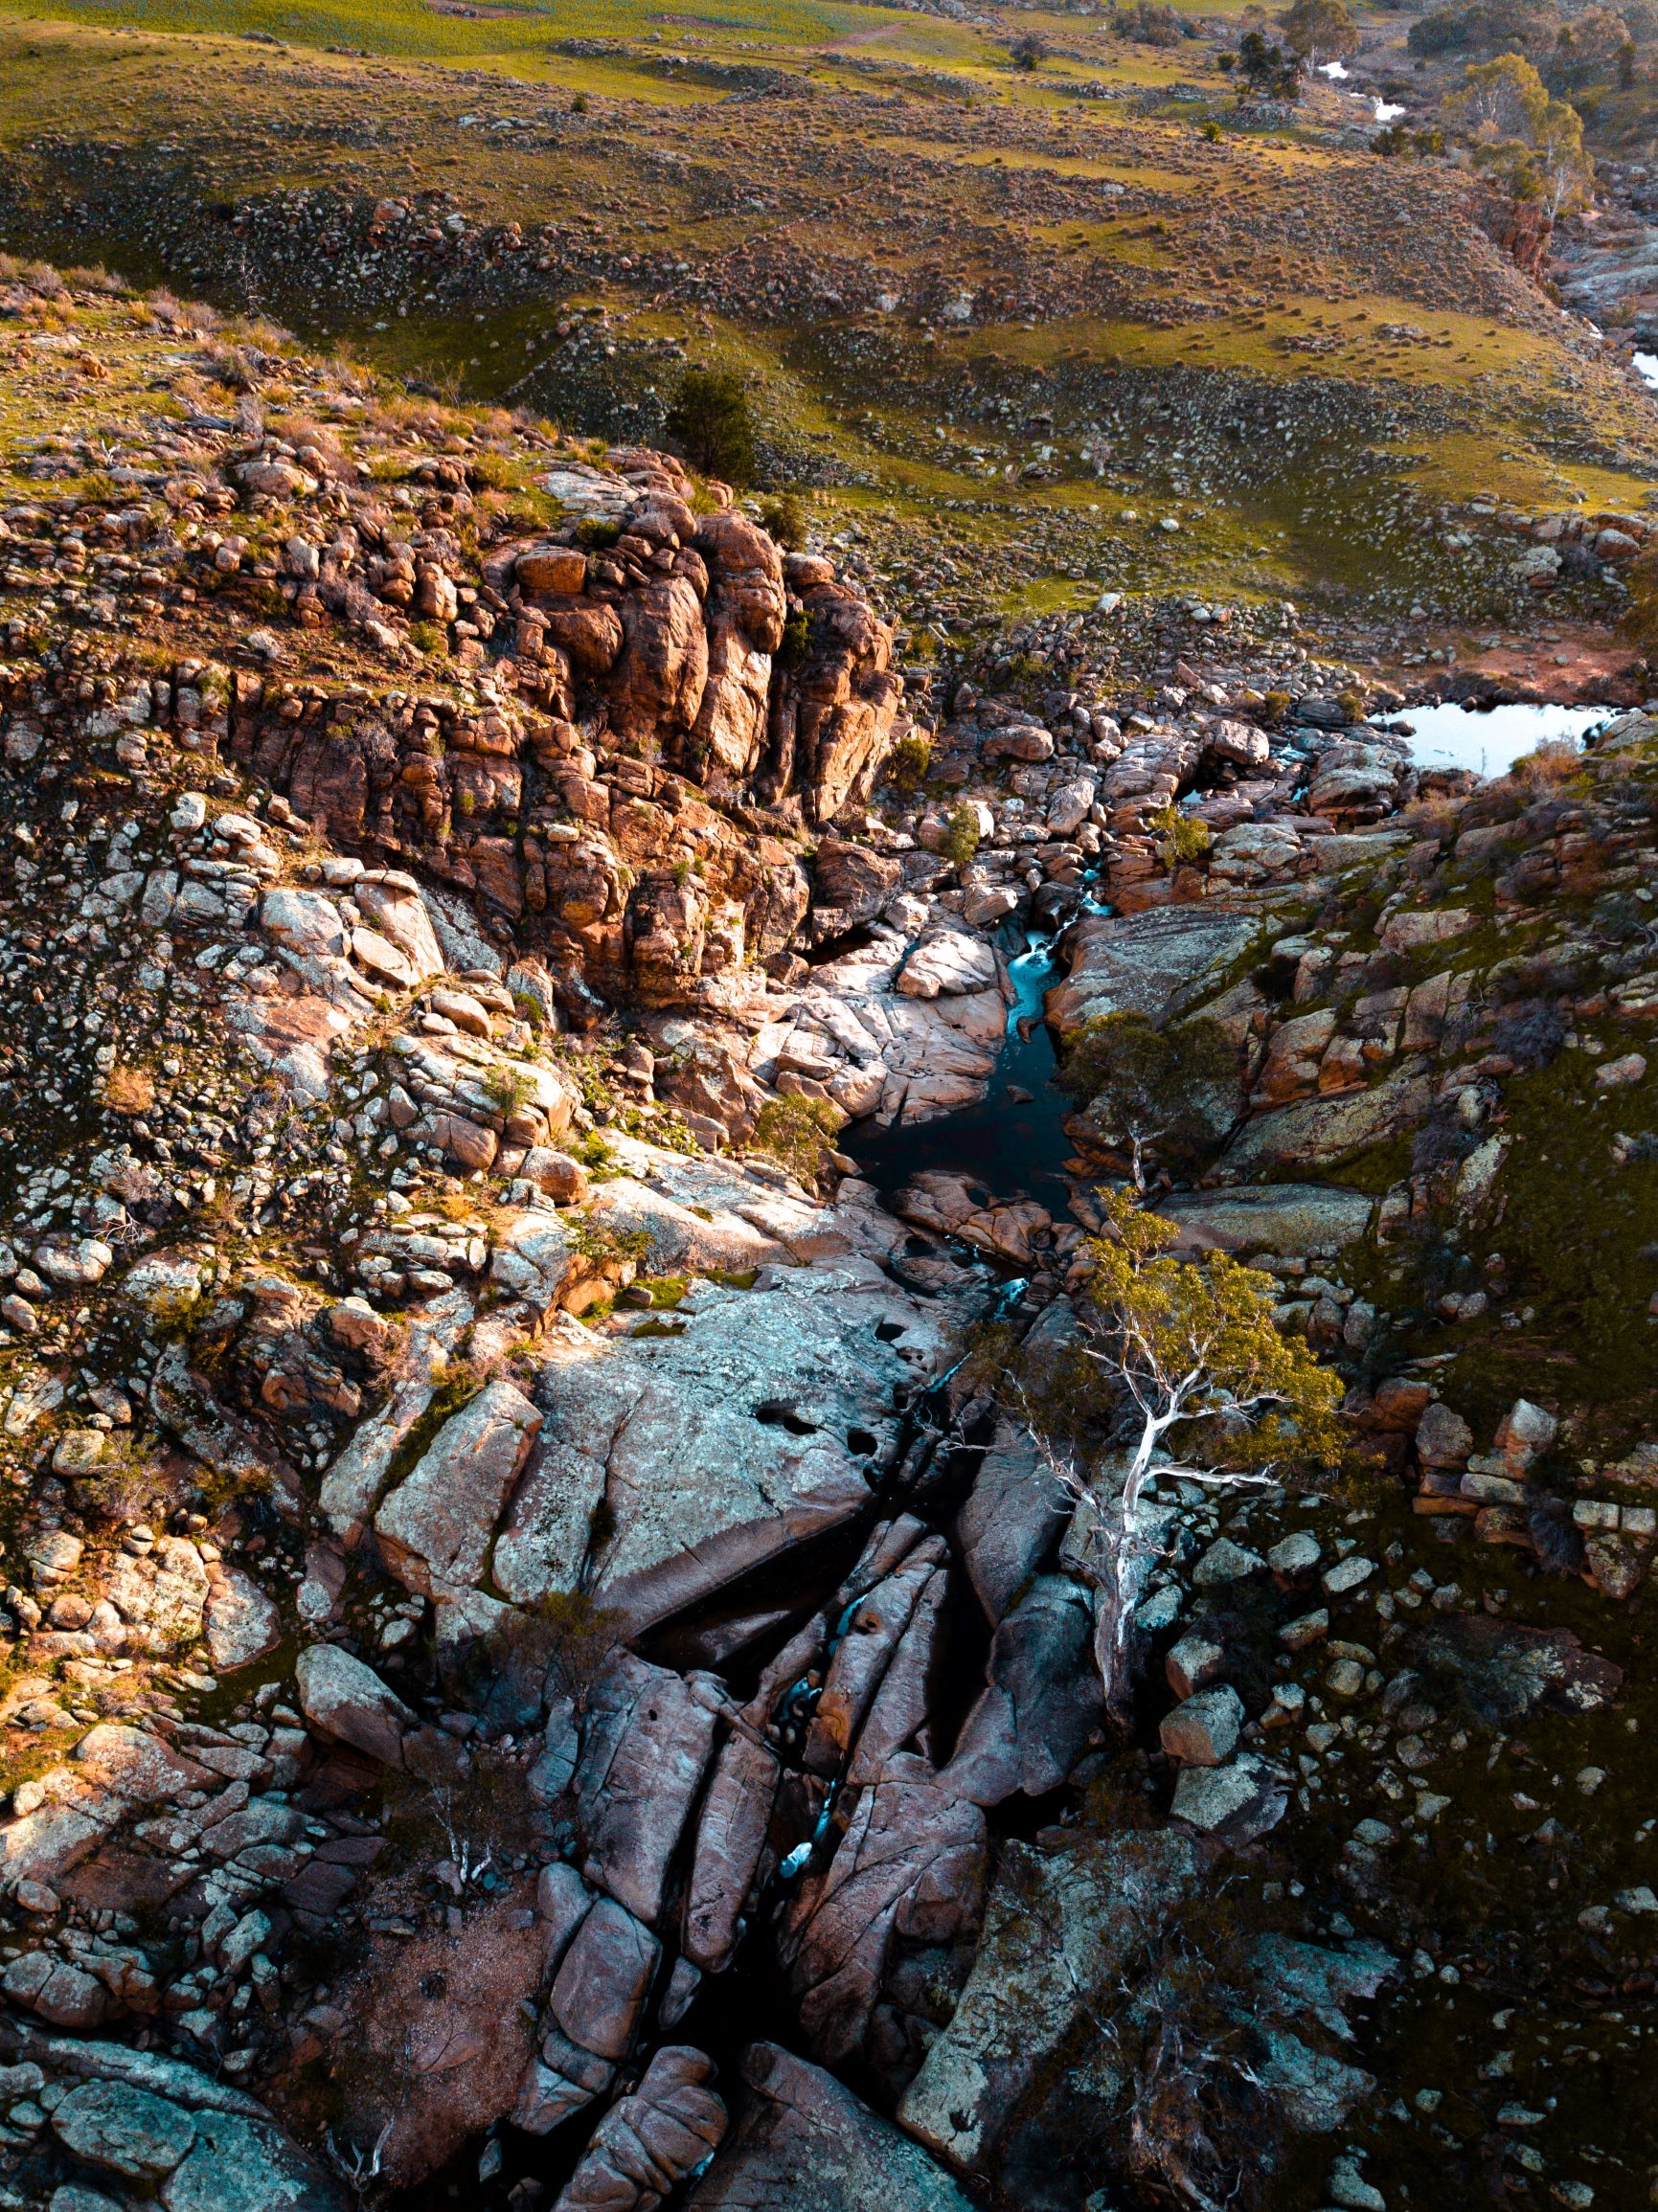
[[1013, 1140], [1490, 739]]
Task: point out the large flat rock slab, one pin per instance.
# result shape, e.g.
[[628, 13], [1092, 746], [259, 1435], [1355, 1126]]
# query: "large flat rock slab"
[[1295, 1220], [1155, 964], [670, 1463]]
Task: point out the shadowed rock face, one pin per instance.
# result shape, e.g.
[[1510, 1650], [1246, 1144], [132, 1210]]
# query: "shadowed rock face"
[[805, 2141], [639, 695]]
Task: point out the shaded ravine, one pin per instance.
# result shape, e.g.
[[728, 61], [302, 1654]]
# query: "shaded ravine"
[[1013, 1140]]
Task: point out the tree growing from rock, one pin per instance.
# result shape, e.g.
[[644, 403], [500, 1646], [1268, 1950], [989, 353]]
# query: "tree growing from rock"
[[1180, 1371], [1151, 1092], [712, 424]]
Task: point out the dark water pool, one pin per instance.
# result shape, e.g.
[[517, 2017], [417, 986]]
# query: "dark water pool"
[[1014, 1145]]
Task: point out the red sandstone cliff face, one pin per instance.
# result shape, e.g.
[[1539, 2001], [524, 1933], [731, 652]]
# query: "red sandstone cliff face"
[[668, 715], [1522, 229]]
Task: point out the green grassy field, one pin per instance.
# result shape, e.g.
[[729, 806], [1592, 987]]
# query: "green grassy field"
[[907, 151], [509, 32]]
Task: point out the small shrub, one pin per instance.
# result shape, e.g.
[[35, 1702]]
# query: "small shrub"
[[784, 519], [233, 366], [596, 535], [962, 836], [511, 1088], [1555, 760], [1531, 1032], [1181, 839], [796, 636], [596, 1153], [712, 422], [115, 1492], [909, 761], [1444, 1141], [129, 1090], [598, 1241], [799, 1133]]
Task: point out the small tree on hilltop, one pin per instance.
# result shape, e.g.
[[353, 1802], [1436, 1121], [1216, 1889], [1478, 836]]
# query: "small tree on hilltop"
[[712, 422], [1319, 29], [1150, 1091], [1268, 71], [1176, 1348]]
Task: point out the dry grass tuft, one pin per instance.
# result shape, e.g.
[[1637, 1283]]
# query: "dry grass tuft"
[[129, 1090]]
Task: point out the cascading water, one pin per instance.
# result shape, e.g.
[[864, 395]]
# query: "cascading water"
[[1014, 1137]]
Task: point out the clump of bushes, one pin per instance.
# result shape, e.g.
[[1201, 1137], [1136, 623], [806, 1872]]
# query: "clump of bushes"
[[799, 1133], [1181, 839], [962, 837], [910, 760], [783, 517], [712, 424]]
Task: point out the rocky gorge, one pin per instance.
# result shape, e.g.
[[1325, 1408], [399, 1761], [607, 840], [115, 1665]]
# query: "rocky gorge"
[[549, 1647]]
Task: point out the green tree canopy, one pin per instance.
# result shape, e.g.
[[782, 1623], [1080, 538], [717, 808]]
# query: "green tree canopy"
[[1152, 1093], [1530, 141], [1269, 72], [712, 424], [1188, 1374], [1500, 98], [1319, 29]]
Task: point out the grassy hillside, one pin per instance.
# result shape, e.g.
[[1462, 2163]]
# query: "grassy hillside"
[[1060, 343]]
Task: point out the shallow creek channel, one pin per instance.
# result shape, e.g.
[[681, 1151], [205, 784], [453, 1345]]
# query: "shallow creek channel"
[[1497, 1832], [1451, 1792]]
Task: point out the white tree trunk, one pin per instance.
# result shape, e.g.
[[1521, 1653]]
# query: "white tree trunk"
[[1116, 1590]]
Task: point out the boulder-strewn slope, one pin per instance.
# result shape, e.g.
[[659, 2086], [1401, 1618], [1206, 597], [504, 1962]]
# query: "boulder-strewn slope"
[[528, 1652]]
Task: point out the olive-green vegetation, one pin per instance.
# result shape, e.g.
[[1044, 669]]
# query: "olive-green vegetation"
[[1129, 282]]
